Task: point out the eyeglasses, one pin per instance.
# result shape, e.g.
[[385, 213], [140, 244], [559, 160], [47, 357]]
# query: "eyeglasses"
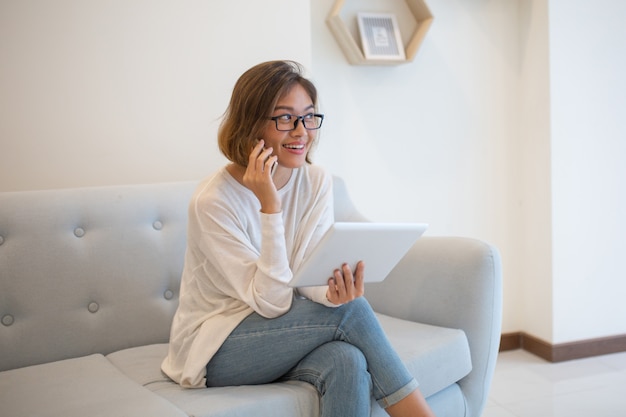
[[288, 122]]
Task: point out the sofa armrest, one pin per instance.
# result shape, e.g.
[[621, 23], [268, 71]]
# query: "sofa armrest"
[[451, 282]]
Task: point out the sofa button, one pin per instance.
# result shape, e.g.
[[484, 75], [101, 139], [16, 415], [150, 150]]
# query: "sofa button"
[[168, 294], [7, 320], [79, 232], [93, 307], [157, 225], [1, 240]]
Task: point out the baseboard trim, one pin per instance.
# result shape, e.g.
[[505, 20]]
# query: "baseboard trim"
[[561, 352]]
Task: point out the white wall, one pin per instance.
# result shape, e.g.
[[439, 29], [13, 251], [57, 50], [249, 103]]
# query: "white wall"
[[480, 136], [588, 96], [533, 287], [128, 91], [434, 140]]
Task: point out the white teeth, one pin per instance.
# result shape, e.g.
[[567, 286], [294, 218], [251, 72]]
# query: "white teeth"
[[294, 146]]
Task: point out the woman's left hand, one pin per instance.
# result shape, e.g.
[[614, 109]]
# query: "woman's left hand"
[[346, 286]]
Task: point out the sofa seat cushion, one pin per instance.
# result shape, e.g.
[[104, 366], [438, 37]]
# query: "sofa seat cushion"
[[85, 386], [438, 357], [285, 399], [282, 399]]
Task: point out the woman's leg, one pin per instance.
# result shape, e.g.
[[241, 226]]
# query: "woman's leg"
[[413, 405], [263, 350], [338, 371]]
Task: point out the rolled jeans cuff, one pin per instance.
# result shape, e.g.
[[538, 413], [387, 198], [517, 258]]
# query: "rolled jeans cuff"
[[398, 395]]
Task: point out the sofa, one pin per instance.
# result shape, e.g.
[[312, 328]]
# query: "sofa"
[[89, 282]]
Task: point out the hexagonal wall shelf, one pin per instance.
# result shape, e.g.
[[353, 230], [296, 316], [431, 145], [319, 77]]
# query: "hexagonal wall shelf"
[[351, 48]]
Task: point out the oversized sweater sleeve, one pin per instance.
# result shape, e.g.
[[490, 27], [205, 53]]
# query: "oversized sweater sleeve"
[[247, 264]]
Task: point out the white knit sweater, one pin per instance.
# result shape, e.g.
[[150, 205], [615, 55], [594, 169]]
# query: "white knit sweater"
[[239, 260]]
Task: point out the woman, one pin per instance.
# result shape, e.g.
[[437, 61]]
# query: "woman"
[[250, 225]]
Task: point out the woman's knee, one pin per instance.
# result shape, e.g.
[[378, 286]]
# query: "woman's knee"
[[358, 319], [336, 361], [346, 358], [358, 308]]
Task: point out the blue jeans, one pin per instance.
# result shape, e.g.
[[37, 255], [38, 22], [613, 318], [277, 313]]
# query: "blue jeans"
[[341, 351]]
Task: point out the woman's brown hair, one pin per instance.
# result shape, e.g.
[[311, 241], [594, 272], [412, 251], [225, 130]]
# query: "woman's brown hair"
[[253, 100]]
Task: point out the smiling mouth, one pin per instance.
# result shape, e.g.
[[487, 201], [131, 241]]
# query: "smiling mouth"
[[294, 146]]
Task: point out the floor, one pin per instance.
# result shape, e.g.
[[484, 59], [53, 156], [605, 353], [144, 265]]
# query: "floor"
[[525, 385]]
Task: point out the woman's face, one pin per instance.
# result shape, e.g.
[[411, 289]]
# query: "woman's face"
[[291, 147]]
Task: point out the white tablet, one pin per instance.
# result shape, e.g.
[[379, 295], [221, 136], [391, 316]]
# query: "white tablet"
[[379, 245]]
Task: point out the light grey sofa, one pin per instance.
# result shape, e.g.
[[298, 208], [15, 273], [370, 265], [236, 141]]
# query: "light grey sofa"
[[89, 284]]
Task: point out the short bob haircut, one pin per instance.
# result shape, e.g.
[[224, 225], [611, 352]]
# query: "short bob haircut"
[[253, 100]]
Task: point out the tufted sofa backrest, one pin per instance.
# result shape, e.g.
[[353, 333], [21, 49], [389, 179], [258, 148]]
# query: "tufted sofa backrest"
[[89, 270], [94, 269]]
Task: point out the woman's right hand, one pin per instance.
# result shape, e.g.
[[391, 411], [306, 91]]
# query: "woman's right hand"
[[258, 178]]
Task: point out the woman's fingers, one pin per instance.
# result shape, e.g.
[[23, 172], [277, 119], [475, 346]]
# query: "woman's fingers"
[[257, 178], [348, 281], [340, 282], [269, 164], [261, 159], [254, 153], [346, 286], [359, 279]]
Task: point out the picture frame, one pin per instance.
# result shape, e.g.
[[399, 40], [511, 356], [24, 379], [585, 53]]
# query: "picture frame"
[[380, 36]]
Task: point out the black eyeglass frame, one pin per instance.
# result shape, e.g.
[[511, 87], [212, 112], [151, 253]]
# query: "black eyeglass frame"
[[298, 118]]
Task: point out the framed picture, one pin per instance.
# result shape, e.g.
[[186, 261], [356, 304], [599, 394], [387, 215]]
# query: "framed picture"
[[380, 36]]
